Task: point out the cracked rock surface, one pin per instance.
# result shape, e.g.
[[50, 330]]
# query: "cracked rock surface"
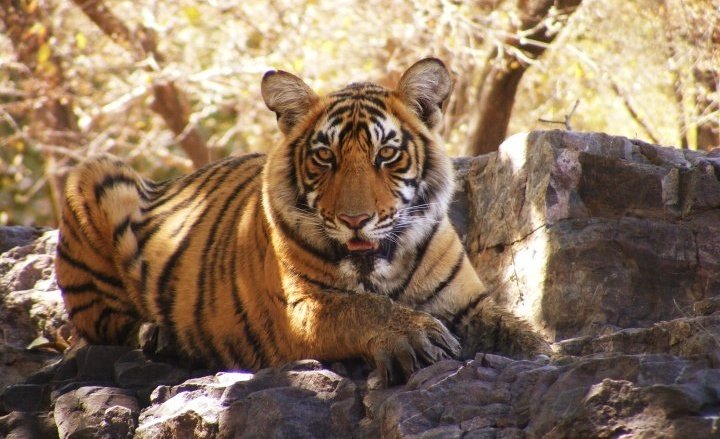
[[608, 246]]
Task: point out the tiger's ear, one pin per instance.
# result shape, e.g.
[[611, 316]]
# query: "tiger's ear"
[[288, 96], [425, 87]]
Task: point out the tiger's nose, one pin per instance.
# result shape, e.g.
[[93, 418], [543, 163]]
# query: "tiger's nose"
[[354, 221]]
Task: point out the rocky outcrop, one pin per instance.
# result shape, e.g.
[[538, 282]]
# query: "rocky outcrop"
[[608, 246], [582, 234], [31, 310]]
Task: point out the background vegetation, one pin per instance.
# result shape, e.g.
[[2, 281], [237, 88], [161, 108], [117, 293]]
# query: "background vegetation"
[[171, 84]]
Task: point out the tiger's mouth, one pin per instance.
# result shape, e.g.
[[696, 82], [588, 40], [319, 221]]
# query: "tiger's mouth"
[[361, 245]]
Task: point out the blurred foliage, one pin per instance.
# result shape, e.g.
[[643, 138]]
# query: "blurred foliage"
[[613, 55]]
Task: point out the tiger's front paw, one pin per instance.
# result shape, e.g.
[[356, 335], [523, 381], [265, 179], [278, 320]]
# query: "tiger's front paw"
[[411, 342]]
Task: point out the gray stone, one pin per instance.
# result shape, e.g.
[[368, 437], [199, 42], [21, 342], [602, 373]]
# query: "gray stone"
[[134, 369], [24, 425], [96, 362], [190, 409], [26, 398], [636, 395], [31, 302], [96, 412], [17, 236], [584, 234], [16, 365]]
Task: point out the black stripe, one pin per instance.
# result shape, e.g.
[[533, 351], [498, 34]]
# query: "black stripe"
[[91, 288], [212, 240], [407, 181], [239, 308], [67, 222], [373, 111], [110, 280], [338, 111], [422, 249], [315, 282], [377, 101], [83, 237], [110, 182], [345, 131], [285, 229], [395, 165], [147, 235], [235, 353], [453, 326], [88, 287], [90, 217], [206, 284], [103, 322], [455, 270], [72, 312], [428, 165], [399, 194], [166, 293], [120, 229], [206, 172]]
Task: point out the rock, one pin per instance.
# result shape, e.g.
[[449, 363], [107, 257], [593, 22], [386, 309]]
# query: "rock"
[[135, 370], [22, 425], [299, 403], [32, 304], [684, 337], [638, 395], [17, 236], [16, 364], [190, 409], [583, 233], [96, 412], [26, 398], [97, 362]]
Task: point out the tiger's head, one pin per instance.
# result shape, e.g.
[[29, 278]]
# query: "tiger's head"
[[361, 171]]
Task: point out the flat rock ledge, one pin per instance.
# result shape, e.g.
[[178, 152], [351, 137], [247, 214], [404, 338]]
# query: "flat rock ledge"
[[609, 246]]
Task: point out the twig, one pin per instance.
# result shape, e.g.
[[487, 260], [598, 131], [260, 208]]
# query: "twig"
[[631, 109], [567, 117]]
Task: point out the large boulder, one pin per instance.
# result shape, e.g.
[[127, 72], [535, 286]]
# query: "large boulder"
[[608, 246], [583, 233]]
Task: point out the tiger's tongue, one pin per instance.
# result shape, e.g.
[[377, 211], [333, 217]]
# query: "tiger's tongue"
[[358, 245]]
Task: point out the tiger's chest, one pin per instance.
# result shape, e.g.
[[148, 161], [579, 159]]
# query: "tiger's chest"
[[373, 274]]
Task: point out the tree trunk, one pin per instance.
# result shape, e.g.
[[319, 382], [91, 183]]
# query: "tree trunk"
[[529, 32]]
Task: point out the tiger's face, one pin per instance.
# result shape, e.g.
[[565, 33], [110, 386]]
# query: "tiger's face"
[[361, 170]]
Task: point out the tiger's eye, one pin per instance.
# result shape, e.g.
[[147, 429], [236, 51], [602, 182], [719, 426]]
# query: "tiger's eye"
[[387, 152], [323, 154]]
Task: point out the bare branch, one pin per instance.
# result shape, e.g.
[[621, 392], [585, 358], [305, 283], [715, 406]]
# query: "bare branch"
[[567, 117], [633, 112], [169, 102]]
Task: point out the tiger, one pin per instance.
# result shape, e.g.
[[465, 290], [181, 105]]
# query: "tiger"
[[334, 245]]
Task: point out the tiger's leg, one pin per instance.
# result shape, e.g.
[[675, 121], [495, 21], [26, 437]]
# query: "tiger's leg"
[[97, 249], [487, 327]]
